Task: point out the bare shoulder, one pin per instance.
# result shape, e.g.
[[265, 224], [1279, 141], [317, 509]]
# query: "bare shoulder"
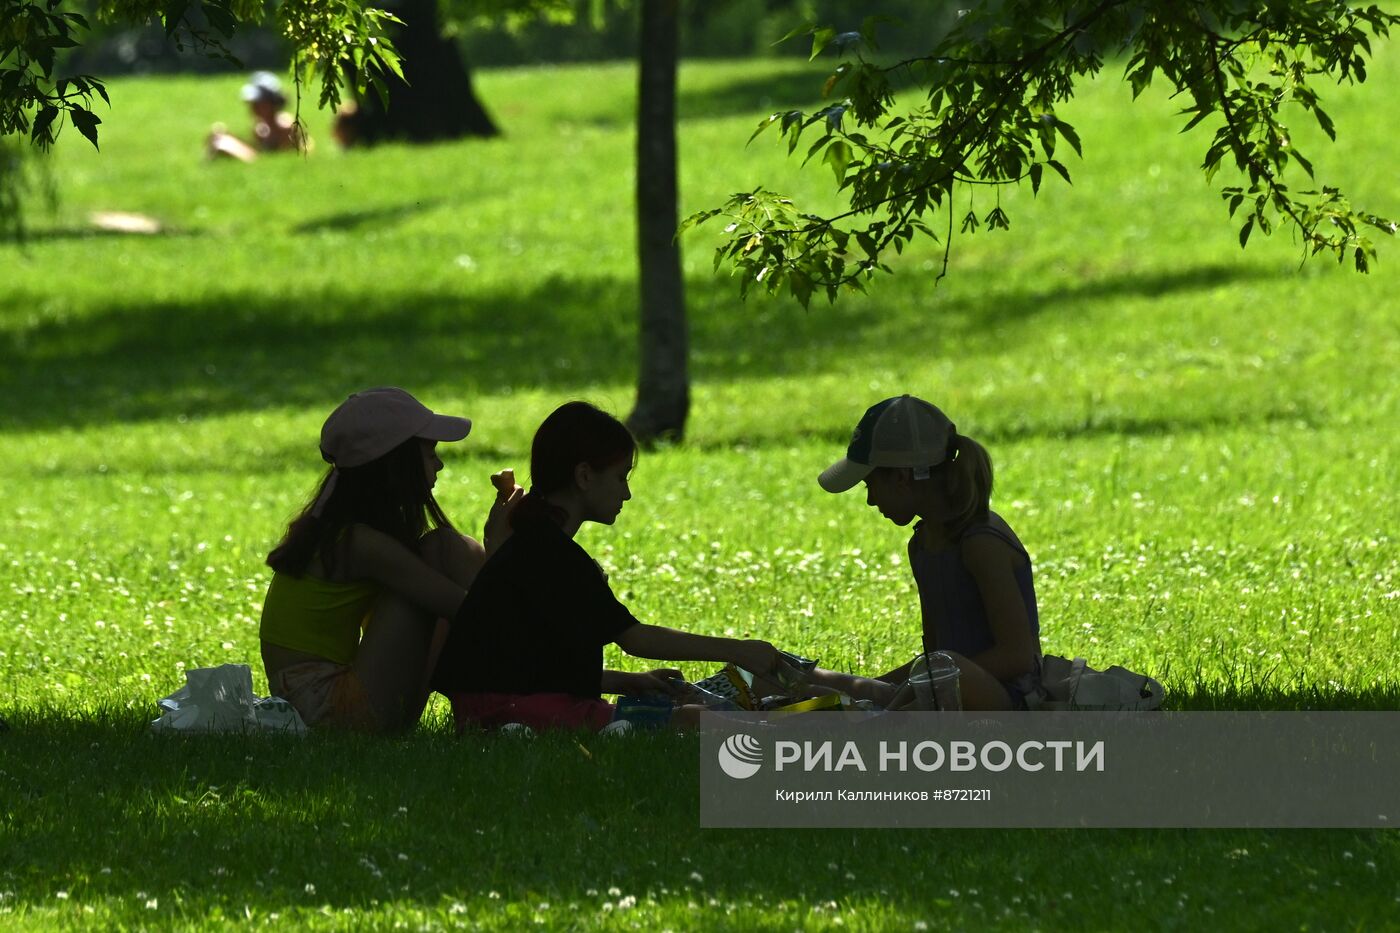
[[365, 545], [995, 546]]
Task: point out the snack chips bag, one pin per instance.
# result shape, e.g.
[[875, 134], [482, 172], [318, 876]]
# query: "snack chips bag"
[[694, 694], [732, 685]]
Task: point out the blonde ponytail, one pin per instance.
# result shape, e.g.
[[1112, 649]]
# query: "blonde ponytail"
[[969, 483]]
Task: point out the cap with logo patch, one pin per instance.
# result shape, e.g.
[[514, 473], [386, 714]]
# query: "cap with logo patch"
[[903, 431]]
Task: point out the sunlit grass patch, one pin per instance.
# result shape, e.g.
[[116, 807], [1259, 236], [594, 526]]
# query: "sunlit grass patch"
[[1195, 443]]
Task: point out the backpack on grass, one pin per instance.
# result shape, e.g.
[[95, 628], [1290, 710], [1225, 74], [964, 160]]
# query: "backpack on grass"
[[1071, 684]]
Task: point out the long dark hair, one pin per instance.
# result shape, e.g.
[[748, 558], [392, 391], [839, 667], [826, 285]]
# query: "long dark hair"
[[574, 433], [390, 494]]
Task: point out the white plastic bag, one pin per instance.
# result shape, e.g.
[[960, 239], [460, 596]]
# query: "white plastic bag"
[[1071, 684], [220, 699]]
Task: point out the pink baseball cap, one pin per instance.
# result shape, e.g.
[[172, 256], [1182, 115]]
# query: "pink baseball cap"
[[369, 424]]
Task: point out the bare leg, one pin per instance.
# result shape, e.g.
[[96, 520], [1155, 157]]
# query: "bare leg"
[[399, 649], [458, 558], [390, 662], [855, 687], [979, 689]]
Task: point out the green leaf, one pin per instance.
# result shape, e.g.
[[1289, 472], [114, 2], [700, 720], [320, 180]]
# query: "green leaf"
[[1246, 230], [763, 125], [796, 31], [821, 38], [41, 131], [1324, 121], [220, 17], [694, 220], [838, 156], [86, 122], [1201, 113], [1063, 172], [1070, 135], [1036, 170]]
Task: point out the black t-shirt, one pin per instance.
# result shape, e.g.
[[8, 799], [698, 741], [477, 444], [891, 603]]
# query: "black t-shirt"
[[535, 620]]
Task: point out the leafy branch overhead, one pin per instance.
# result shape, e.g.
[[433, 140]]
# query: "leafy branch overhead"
[[338, 43], [988, 117]]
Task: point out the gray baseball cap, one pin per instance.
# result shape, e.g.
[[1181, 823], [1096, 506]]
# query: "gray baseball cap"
[[903, 431]]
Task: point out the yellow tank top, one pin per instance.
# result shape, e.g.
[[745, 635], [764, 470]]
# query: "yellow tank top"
[[316, 616]]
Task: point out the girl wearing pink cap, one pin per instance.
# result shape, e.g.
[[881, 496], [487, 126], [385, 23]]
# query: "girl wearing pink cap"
[[363, 572]]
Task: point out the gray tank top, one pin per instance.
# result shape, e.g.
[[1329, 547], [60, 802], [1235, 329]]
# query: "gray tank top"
[[944, 582]]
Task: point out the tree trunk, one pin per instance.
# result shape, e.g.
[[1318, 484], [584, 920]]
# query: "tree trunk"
[[435, 101], [663, 386]]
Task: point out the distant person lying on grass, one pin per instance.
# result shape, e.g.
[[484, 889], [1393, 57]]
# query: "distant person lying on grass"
[[976, 593], [274, 129], [371, 551], [528, 645]]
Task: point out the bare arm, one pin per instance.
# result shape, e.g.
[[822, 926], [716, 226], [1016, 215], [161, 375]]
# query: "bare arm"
[[992, 563], [659, 681], [661, 643], [899, 675], [373, 555], [508, 496]]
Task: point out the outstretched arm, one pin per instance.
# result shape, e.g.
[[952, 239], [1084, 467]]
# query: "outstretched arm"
[[662, 643], [628, 683]]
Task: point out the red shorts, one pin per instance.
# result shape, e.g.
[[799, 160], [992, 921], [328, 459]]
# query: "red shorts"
[[536, 710]]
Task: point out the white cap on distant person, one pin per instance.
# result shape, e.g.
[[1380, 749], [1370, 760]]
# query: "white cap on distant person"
[[903, 431], [369, 424], [262, 84]]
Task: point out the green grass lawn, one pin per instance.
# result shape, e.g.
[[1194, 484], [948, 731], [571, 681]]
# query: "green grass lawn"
[[1196, 443]]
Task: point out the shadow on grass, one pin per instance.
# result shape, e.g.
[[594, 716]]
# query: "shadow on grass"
[[798, 90], [103, 810], [376, 217], [760, 94], [245, 352]]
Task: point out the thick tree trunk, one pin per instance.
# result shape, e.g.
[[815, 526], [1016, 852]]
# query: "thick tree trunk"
[[435, 101], [663, 387]]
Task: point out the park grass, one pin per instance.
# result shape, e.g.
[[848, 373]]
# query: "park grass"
[[1196, 443]]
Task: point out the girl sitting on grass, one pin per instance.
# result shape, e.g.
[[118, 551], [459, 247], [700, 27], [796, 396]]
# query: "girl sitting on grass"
[[372, 551], [973, 574], [528, 644]]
